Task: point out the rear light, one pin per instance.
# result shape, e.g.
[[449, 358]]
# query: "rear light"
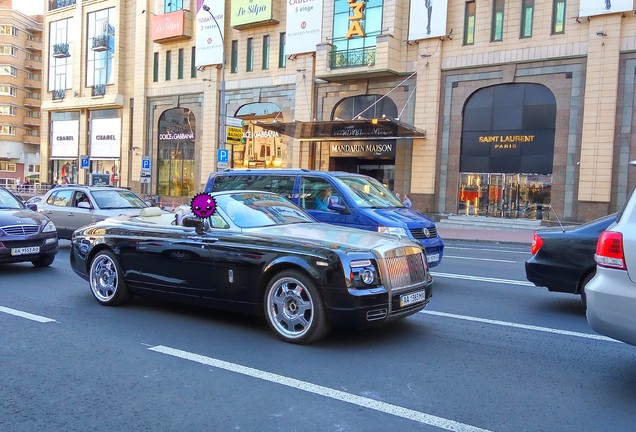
[[609, 250], [537, 242]]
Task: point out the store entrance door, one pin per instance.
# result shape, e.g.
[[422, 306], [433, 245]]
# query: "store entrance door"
[[504, 195]]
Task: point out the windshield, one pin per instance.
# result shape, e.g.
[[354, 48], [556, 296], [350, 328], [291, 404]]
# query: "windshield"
[[8, 201], [252, 210], [117, 199], [370, 193]]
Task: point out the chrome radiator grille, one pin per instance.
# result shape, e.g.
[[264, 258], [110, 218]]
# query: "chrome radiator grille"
[[20, 229], [406, 270]]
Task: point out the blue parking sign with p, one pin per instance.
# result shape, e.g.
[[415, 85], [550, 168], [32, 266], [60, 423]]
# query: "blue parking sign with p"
[[223, 155], [85, 162], [145, 164]]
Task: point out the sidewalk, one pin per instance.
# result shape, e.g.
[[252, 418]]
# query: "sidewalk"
[[514, 236]]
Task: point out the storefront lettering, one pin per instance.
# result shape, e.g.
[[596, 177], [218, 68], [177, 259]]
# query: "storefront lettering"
[[175, 136], [252, 10], [65, 138], [506, 138], [361, 148], [355, 28], [302, 8], [261, 134], [105, 137], [357, 132]]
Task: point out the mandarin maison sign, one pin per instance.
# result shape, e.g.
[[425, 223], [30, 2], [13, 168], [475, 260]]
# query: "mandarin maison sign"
[[358, 149]]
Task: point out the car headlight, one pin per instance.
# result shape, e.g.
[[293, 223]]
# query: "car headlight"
[[400, 232], [363, 274], [49, 227]]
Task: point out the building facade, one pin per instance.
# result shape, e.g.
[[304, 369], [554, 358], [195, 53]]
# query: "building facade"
[[20, 90], [498, 108]]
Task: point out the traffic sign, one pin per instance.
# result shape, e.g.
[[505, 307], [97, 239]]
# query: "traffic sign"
[[223, 155], [145, 163], [234, 135], [222, 165], [235, 122], [86, 162]]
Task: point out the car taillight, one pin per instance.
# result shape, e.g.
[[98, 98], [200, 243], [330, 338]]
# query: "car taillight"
[[609, 250], [537, 242]]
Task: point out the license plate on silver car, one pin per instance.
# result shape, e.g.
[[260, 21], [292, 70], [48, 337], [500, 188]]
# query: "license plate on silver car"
[[25, 250], [416, 297]]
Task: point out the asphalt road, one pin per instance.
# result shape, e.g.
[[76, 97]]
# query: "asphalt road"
[[490, 352]]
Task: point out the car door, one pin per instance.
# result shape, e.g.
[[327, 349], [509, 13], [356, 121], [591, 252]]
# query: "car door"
[[57, 208], [309, 196], [174, 260]]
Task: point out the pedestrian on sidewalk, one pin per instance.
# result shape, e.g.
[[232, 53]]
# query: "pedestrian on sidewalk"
[[407, 202]]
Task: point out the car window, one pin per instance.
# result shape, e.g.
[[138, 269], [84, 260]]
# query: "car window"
[[60, 198], [314, 193], [8, 201], [80, 197], [117, 199]]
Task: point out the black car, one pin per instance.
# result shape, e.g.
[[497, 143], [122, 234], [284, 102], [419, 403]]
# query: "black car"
[[563, 260], [25, 235], [260, 254]]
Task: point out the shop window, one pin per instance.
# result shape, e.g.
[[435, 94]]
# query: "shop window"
[[176, 142]]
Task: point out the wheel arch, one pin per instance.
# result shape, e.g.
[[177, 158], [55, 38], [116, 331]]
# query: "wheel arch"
[[288, 263]]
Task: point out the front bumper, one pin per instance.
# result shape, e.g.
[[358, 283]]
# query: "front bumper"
[[49, 248], [372, 307]]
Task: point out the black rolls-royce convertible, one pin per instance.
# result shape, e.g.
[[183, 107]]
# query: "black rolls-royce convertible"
[[259, 254]]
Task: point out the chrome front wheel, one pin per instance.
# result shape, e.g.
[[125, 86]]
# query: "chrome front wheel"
[[106, 279], [294, 308]]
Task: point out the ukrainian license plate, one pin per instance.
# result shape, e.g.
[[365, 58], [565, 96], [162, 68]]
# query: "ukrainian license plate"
[[411, 298], [25, 250], [432, 257]]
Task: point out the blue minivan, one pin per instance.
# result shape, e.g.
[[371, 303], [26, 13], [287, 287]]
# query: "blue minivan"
[[339, 198]]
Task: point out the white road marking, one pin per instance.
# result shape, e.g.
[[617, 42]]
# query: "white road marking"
[[521, 326], [489, 250], [26, 315], [482, 279], [361, 401], [481, 259]]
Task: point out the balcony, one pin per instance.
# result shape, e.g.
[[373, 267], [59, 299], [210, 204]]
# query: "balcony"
[[58, 94], [31, 139], [31, 83], [32, 121], [60, 50], [33, 65], [101, 43], [32, 102], [98, 90], [56, 4], [386, 59]]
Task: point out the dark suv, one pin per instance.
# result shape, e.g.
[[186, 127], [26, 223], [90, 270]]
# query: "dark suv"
[[73, 206]]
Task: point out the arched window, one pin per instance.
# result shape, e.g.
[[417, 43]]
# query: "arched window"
[[352, 106], [176, 152]]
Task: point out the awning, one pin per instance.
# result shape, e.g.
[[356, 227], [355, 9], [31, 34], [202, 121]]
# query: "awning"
[[345, 130]]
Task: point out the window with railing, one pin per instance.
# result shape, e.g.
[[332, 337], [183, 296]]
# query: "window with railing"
[[33, 114], [34, 77], [32, 38], [32, 57], [32, 133], [60, 74], [101, 39], [98, 90], [33, 95], [56, 4], [356, 26]]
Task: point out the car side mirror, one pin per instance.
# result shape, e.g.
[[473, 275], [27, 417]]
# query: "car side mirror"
[[32, 207], [194, 222], [334, 204], [84, 205]]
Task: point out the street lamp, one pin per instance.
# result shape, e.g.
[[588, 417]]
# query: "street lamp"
[[222, 107]]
